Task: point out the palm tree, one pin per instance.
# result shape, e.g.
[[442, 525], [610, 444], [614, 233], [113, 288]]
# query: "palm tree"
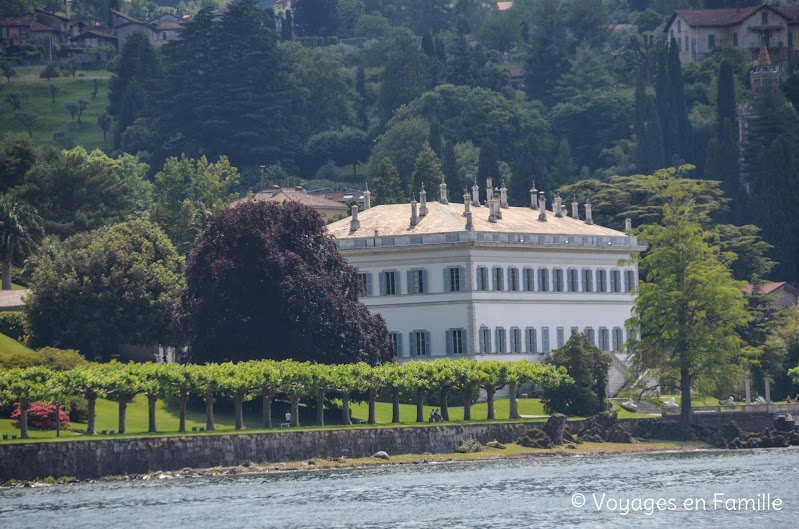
[[20, 230]]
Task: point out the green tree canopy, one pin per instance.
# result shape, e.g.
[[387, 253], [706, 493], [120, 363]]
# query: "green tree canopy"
[[588, 368], [112, 286]]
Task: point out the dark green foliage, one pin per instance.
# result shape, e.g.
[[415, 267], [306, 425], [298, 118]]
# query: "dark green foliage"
[[529, 168], [240, 102], [17, 155], [287, 27], [488, 164], [138, 70], [548, 54], [386, 184], [450, 169], [588, 366], [344, 147], [266, 281], [684, 143], [12, 324], [726, 109], [130, 278], [427, 170], [403, 77], [50, 71], [74, 193], [315, 17], [648, 131]]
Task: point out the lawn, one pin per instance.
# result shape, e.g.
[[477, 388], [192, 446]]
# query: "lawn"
[[9, 346], [53, 116]]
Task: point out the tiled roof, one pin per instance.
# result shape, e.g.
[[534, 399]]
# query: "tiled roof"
[[448, 218], [12, 299], [769, 288], [41, 27], [24, 20], [725, 17], [791, 12], [168, 24], [302, 198], [126, 17]]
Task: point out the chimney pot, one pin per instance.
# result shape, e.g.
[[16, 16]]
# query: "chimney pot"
[[354, 222]]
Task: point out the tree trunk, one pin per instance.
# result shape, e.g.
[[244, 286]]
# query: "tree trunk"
[[91, 403], [467, 402], [345, 408], [151, 400], [182, 423], [320, 407], [23, 418], [490, 401], [419, 404], [123, 416], [372, 396], [685, 408], [237, 399], [209, 411], [442, 397], [395, 402], [7, 269], [295, 410], [514, 405], [266, 415], [57, 420]]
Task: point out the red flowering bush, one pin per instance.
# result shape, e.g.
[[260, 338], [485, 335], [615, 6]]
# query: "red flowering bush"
[[41, 416]]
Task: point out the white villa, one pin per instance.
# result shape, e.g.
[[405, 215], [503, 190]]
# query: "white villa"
[[491, 281]]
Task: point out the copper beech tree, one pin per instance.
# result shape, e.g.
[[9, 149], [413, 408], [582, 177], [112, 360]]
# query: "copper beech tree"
[[266, 281]]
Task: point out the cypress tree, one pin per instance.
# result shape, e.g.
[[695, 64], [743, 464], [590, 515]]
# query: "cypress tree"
[[435, 137], [663, 103], [528, 167], [449, 167], [287, 28], [564, 171], [684, 144], [725, 101], [360, 87], [488, 163], [427, 170], [386, 185]]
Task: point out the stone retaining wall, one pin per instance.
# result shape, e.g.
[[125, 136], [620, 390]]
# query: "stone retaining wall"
[[86, 459]]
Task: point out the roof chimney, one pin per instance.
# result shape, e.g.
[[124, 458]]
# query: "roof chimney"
[[503, 196], [498, 204], [354, 222], [489, 188], [575, 209], [558, 209], [492, 217], [422, 202], [542, 205], [442, 192], [469, 225], [414, 218], [628, 225], [466, 203], [588, 218], [475, 194], [367, 198], [533, 197]]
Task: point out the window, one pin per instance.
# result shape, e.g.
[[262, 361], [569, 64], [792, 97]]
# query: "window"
[[588, 280], [513, 279], [163, 36], [687, 44], [790, 39], [629, 280], [545, 340], [452, 279], [603, 339], [764, 17], [711, 42], [485, 340], [416, 239], [529, 279], [560, 337], [515, 340], [388, 242], [618, 339], [366, 283], [532, 343], [735, 38], [482, 278], [420, 342], [452, 237], [679, 26], [501, 345], [417, 281], [499, 276], [615, 281], [601, 281], [572, 280], [456, 339], [360, 243], [557, 280], [543, 280], [396, 339], [388, 283], [4, 33], [589, 332], [23, 32], [671, 34], [767, 38]]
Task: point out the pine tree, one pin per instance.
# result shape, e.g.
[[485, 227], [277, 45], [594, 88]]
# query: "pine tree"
[[529, 167], [427, 170], [386, 185]]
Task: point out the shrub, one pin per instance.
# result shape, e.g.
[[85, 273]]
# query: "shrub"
[[469, 446], [50, 71], [41, 416], [22, 359], [60, 359], [12, 324]]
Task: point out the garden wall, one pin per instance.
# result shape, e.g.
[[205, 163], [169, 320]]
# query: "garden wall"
[[86, 459]]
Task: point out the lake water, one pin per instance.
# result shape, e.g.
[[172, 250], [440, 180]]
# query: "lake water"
[[512, 493]]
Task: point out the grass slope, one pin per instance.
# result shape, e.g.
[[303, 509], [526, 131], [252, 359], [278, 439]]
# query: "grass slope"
[[53, 116], [9, 346]]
